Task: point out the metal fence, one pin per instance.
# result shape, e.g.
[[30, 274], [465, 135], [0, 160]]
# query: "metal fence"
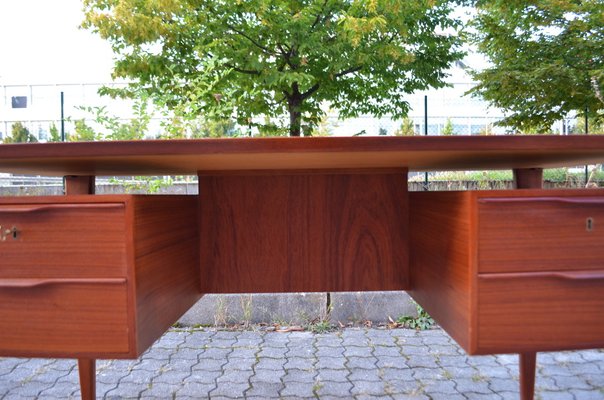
[[448, 110]]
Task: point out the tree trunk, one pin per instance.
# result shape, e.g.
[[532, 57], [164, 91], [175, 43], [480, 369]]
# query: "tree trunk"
[[294, 105]]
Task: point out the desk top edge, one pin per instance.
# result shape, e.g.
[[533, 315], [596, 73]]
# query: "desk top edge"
[[149, 157]]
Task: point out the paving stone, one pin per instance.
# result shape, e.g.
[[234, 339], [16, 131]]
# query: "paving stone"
[[298, 390], [446, 396], [381, 351], [300, 363], [393, 374], [270, 363], [196, 390], [232, 390], [234, 377], [391, 362], [373, 375], [297, 375], [215, 353], [361, 362], [425, 361], [498, 385], [355, 351], [332, 375], [163, 390], [240, 364], [367, 388], [468, 386], [272, 352], [329, 352], [571, 382], [441, 386], [126, 391], [549, 395], [198, 340], [203, 377], [331, 362], [266, 390], [302, 351], [588, 395], [208, 365], [482, 396], [171, 376], [268, 376], [338, 389]]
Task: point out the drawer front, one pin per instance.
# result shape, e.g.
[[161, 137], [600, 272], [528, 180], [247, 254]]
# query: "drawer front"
[[63, 241], [63, 317], [540, 311], [526, 234]]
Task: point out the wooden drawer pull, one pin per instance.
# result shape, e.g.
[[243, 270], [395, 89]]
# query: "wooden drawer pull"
[[564, 200], [33, 283], [570, 275], [42, 208]]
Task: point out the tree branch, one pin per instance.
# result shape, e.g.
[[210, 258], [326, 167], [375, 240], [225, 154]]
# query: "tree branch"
[[243, 71], [348, 71], [310, 91], [318, 18], [254, 42]]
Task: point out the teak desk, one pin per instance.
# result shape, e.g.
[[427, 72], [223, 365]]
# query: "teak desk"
[[92, 277]]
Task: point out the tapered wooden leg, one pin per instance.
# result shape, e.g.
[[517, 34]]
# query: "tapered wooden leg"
[[528, 363], [87, 369]]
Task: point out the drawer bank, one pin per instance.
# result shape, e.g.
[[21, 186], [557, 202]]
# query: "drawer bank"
[[88, 276]]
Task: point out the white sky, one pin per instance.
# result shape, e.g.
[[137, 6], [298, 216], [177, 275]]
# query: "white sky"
[[40, 42]]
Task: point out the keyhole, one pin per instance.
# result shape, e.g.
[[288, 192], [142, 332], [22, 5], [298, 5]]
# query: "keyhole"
[[589, 224]]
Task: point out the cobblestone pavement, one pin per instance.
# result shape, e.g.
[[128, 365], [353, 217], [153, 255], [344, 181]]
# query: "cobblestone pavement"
[[353, 363]]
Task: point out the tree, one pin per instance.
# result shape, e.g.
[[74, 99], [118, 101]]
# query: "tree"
[[276, 58], [546, 56], [20, 134], [407, 128], [55, 136], [447, 128]]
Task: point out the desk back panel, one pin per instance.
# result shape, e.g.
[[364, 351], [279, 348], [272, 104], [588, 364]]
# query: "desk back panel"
[[290, 231]]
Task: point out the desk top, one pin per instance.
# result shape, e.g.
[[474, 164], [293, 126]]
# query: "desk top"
[[186, 157]]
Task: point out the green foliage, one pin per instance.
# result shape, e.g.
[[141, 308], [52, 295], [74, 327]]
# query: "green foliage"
[[595, 126], [83, 132], [407, 128], [20, 134], [448, 128], [546, 59], [279, 58], [55, 136], [420, 322]]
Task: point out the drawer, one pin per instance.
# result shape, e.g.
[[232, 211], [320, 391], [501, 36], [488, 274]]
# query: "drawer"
[[540, 311], [63, 240], [63, 317], [529, 234]]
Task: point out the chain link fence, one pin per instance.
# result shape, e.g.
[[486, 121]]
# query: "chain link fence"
[[449, 112]]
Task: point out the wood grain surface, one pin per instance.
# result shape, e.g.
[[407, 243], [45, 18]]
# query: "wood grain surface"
[[540, 312], [63, 240], [166, 263], [95, 276], [442, 260], [186, 157], [64, 319], [290, 232], [545, 233]]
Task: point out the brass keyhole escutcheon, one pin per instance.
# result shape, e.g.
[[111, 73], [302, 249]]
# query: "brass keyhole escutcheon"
[[589, 224], [6, 233]]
